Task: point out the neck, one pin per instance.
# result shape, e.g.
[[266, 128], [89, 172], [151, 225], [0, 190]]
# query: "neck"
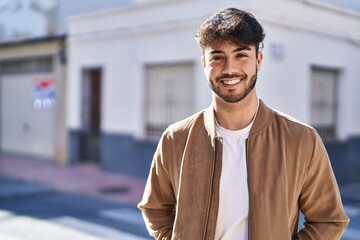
[[236, 116]]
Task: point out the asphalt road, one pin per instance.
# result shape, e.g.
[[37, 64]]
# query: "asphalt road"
[[352, 209], [35, 212]]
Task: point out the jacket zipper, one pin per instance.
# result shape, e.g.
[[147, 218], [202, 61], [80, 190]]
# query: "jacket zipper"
[[211, 190]]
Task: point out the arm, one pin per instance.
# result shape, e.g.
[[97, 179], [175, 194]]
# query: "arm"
[[158, 203], [320, 200]]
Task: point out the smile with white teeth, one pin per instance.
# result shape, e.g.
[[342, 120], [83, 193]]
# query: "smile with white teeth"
[[231, 82]]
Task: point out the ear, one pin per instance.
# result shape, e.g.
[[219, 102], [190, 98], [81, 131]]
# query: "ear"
[[259, 59], [203, 61]]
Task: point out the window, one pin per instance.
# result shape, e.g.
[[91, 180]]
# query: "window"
[[324, 101], [169, 96], [27, 65]]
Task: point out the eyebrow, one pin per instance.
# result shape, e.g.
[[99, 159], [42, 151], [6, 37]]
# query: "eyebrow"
[[239, 49]]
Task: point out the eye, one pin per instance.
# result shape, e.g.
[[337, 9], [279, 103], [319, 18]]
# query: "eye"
[[241, 55], [216, 58]]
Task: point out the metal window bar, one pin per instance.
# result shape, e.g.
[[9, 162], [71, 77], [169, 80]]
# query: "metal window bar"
[[28, 65], [169, 96], [324, 102]]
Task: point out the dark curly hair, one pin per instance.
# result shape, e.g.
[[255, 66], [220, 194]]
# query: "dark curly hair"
[[230, 24]]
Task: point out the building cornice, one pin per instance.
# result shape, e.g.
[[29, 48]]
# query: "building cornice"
[[25, 41]]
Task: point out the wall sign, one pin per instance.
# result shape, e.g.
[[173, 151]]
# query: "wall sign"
[[277, 51], [43, 95]]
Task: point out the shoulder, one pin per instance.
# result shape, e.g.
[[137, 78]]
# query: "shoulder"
[[293, 129], [183, 127], [296, 135], [177, 135], [291, 123], [274, 122]]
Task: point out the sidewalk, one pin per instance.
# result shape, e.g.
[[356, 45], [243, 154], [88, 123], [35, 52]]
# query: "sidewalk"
[[89, 179], [82, 179]]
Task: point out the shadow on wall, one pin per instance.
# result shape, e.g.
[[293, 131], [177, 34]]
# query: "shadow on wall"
[[345, 159], [118, 153]]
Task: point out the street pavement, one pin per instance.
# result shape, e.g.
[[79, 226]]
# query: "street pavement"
[[44, 201], [35, 212], [41, 200]]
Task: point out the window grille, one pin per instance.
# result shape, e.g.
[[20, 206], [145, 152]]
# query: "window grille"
[[169, 96], [27, 65], [324, 101]]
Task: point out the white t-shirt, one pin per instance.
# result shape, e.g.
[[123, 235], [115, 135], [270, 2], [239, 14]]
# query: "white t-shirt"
[[232, 222]]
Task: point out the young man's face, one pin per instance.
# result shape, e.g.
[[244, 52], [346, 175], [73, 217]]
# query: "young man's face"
[[231, 70]]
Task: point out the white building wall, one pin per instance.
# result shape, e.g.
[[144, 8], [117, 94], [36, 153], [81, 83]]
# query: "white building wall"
[[124, 41], [135, 19], [123, 59], [310, 34], [285, 83], [351, 91]]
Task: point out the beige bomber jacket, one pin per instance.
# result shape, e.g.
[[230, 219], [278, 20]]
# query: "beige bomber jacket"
[[288, 170]]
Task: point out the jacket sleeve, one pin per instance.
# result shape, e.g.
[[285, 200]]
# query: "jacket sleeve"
[[158, 202], [320, 200]]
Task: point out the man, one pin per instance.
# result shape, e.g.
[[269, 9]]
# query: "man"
[[239, 169]]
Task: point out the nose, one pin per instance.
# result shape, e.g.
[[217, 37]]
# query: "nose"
[[230, 67]]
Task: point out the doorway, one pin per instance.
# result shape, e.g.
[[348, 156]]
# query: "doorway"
[[89, 149]]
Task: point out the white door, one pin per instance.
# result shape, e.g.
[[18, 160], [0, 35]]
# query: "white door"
[[25, 130]]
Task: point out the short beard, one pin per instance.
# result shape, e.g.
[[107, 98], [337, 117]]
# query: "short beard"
[[238, 97]]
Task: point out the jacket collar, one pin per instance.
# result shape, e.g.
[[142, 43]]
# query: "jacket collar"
[[209, 121], [261, 120]]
